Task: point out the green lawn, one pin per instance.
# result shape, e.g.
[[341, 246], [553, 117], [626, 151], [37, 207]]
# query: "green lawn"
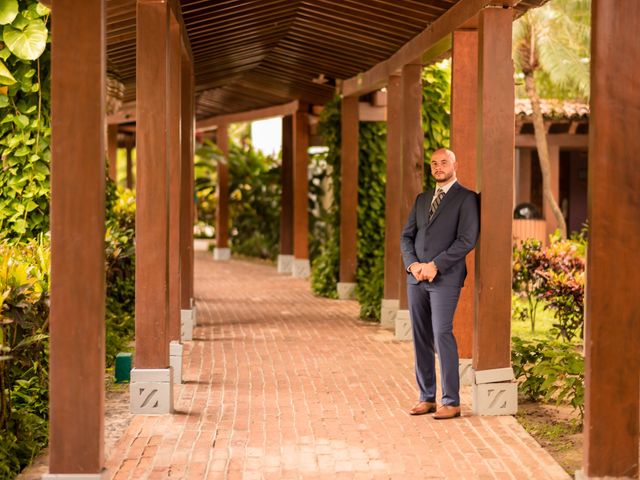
[[522, 328]]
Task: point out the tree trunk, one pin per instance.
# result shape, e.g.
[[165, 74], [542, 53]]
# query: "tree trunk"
[[543, 152]]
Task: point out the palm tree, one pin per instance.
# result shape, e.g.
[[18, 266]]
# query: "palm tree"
[[551, 49]]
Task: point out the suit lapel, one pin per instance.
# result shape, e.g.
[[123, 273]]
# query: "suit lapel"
[[453, 191]]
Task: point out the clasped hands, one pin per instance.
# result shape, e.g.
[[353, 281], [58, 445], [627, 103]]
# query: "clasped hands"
[[424, 271]]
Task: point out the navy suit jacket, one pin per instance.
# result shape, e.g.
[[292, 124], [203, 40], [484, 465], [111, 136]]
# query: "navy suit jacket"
[[446, 239]]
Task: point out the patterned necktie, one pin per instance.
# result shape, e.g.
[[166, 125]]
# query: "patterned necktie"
[[436, 202]]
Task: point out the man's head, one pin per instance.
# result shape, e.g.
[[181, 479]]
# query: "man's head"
[[443, 166]]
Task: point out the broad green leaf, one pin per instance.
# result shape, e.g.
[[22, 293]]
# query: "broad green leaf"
[[6, 78], [5, 53], [28, 44], [4, 101], [8, 11]]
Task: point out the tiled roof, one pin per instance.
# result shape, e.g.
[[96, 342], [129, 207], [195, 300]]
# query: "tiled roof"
[[554, 109]]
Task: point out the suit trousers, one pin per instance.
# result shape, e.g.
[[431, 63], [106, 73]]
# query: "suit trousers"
[[431, 308]]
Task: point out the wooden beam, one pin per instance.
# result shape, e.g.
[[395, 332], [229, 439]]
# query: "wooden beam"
[[349, 189], [492, 328], [112, 151], [429, 45], [464, 120], [370, 113], [175, 170], [77, 335], [612, 329], [286, 202], [129, 145], [278, 110], [300, 187], [186, 191], [184, 35], [152, 182], [126, 114], [393, 193], [222, 210], [412, 152]]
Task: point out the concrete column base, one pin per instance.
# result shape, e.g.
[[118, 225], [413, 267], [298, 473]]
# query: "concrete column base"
[[201, 244], [403, 325], [388, 311], [285, 263], [580, 475], [466, 371], [73, 476], [186, 325], [346, 290], [221, 254], [194, 312], [175, 361], [495, 392], [301, 268], [151, 391]]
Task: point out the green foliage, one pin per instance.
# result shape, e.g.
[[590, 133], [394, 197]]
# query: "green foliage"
[[254, 203], [553, 42], [549, 371], [526, 282], [372, 176], [371, 192], [24, 356], [436, 113], [206, 179], [120, 269], [25, 128], [555, 275]]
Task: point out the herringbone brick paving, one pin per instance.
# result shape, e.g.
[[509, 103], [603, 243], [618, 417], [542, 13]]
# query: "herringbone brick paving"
[[280, 384]]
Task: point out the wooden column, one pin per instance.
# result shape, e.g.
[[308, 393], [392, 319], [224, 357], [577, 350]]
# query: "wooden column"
[[175, 170], [393, 194], [348, 192], [554, 164], [286, 203], [186, 191], [300, 194], [112, 151], [496, 143], [524, 177], [76, 371], [412, 152], [612, 302], [152, 186], [464, 114], [222, 219], [130, 143]]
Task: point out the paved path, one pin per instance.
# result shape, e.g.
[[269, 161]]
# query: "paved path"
[[280, 384]]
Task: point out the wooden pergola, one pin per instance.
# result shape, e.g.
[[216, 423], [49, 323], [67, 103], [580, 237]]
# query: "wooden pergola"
[[214, 61]]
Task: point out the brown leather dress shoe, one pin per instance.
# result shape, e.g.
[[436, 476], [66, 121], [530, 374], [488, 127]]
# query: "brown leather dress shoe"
[[447, 411], [422, 408]]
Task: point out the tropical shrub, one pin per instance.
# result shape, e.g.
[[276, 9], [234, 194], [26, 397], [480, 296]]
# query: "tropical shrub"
[[25, 128], [549, 371], [120, 269], [525, 281], [24, 355]]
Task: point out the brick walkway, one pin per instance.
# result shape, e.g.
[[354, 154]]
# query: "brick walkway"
[[280, 384]]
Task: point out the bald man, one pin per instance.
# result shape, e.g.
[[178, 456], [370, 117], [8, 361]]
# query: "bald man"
[[441, 230]]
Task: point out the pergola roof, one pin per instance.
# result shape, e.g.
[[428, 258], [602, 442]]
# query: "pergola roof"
[[554, 109], [250, 54]]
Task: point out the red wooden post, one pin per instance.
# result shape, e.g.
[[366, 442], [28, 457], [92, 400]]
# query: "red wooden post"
[[301, 267], [186, 191], [285, 258], [222, 251], [175, 184], [348, 197], [151, 379], [612, 325], [554, 164], [412, 172], [494, 394], [464, 114], [393, 196], [76, 371], [112, 151]]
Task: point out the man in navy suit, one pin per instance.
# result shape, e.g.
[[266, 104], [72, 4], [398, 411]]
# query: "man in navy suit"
[[441, 230]]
